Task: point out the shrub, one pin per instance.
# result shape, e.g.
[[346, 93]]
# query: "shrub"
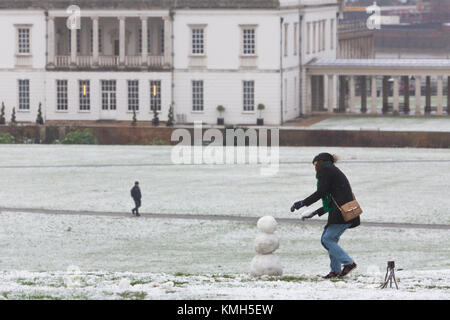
[[6, 138], [39, 118], [80, 137], [13, 116], [157, 142], [221, 109], [2, 114], [134, 121], [170, 119]]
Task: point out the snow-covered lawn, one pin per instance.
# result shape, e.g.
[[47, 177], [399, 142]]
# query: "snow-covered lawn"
[[384, 123], [131, 258], [393, 185], [188, 259]]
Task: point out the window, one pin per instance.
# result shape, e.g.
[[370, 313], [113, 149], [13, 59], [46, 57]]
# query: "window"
[[286, 104], [61, 95], [323, 34], [84, 95], [286, 37], [249, 95], [197, 95], [99, 40], [319, 33], [133, 95], [155, 95], [295, 40], [162, 42], [23, 40], [198, 41], [108, 94], [140, 40], [249, 41], [332, 34], [24, 94], [308, 37], [314, 37], [295, 92]]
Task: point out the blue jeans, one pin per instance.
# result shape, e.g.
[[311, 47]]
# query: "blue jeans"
[[330, 238]]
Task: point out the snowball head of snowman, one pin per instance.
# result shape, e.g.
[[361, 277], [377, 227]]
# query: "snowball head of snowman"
[[267, 224]]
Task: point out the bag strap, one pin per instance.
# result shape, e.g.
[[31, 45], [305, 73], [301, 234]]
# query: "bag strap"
[[340, 209], [335, 203]]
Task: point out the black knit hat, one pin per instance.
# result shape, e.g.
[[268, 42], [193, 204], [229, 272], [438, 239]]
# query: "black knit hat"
[[324, 157]]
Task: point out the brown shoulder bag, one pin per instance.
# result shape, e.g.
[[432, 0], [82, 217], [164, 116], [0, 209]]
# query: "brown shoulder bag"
[[349, 210]]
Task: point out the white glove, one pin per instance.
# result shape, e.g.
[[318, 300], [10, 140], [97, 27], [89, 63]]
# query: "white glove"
[[308, 215]]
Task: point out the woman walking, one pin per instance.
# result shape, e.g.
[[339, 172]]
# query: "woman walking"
[[332, 186]]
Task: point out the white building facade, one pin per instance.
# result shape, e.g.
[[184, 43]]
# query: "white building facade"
[[193, 55]]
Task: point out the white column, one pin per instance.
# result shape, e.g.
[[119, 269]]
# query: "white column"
[[352, 94], [144, 52], [167, 40], [122, 41], [51, 41], [374, 94], [308, 95], [73, 46], [330, 93], [439, 96], [95, 40], [418, 94], [396, 92]]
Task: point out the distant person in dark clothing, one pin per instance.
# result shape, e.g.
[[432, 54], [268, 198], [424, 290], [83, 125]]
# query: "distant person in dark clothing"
[[331, 184], [136, 195]]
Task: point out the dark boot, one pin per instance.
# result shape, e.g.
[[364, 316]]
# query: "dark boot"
[[347, 269], [132, 211], [331, 275]]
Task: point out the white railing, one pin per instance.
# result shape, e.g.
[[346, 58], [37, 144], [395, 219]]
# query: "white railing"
[[62, 61], [248, 61], [84, 61], [156, 61], [133, 61], [24, 60], [105, 61], [108, 61]]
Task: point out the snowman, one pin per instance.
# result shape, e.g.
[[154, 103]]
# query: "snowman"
[[266, 242]]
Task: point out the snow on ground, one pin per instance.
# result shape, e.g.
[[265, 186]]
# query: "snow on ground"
[[131, 258], [389, 189], [384, 123]]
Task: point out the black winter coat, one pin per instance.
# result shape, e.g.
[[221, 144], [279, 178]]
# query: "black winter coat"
[[136, 193], [332, 180]]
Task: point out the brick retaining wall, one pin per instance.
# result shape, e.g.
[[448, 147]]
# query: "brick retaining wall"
[[123, 135]]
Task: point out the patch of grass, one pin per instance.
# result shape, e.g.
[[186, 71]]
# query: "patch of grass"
[[288, 278], [37, 297], [182, 274], [225, 276], [133, 295], [170, 291], [438, 287], [25, 282], [179, 283], [157, 142], [5, 294], [135, 282], [293, 278]]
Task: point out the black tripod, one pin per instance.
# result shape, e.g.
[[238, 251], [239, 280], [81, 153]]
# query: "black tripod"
[[390, 276]]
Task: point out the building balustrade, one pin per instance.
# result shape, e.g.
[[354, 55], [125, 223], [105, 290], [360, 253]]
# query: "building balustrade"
[[119, 36]]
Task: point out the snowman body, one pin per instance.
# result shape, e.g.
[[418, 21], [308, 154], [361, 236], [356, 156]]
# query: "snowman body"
[[266, 243]]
